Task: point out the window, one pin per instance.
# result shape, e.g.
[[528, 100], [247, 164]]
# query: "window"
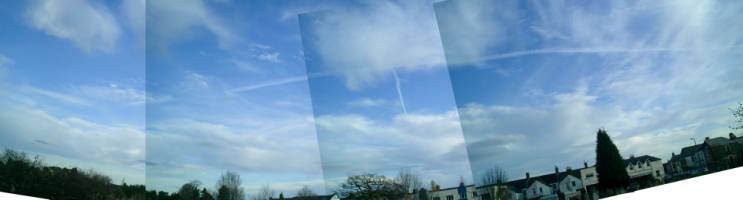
[[573, 183], [540, 190], [657, 173], [648, 164], [436, 198], [639, 166], [589, 175], [474, 194], [449, 197]]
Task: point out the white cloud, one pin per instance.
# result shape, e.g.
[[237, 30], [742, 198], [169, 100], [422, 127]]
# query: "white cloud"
[[59, 97], [135, 14], [113, 92], [244, 65], [477, 25], [263, 151], [88, 25], [367, 102], [171, 20], [5, 61], [74, 141], [362, 44], [270, 57], [193, 81], [430, 144]]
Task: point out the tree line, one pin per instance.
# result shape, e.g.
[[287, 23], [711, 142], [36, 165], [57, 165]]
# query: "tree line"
[[24, 175]]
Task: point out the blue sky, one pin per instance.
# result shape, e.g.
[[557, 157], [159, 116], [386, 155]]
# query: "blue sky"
[[294, 93], [72, 79]]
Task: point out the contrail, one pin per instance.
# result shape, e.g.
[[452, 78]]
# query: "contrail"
[[399, 91], [575, 51], [278, 82]]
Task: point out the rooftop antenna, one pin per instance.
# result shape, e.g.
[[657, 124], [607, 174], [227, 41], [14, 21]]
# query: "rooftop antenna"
[[695, 140]]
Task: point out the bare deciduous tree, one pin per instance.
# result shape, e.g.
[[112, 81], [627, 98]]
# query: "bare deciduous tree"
[[305, 192], [189, 191], [228, 186], [496, 176], [737, 117], [408, 180], [265, 193]]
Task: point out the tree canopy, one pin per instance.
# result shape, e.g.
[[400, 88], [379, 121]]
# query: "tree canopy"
[[370, 186], [609, 163]]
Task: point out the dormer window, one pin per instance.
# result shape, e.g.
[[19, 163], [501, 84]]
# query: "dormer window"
[[648, 163]]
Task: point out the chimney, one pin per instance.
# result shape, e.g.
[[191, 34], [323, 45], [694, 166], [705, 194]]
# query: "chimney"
[[585, 164], [732, 136], [706, 138], [556, 170], [527, 175], [673, 154]]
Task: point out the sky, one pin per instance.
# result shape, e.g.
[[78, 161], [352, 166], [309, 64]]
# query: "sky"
[[535, 80], [381, 94], [305, 92], [72, 84]]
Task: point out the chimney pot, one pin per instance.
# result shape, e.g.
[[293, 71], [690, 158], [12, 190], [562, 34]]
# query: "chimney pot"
[[527, 175], [585, 164], [556, 170]]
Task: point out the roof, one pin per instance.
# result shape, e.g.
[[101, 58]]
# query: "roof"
[[717, 141], [641, 159], [546, 179], [456, 187], [691, 150]]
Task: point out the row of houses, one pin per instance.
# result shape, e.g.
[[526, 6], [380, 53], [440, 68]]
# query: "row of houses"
[[714, 154], [644, 171]]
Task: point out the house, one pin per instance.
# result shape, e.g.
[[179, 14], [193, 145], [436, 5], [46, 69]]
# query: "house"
[[558, 185], [319, 197], [691, 161], [714, 154], [643, 171], [461, 192]]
